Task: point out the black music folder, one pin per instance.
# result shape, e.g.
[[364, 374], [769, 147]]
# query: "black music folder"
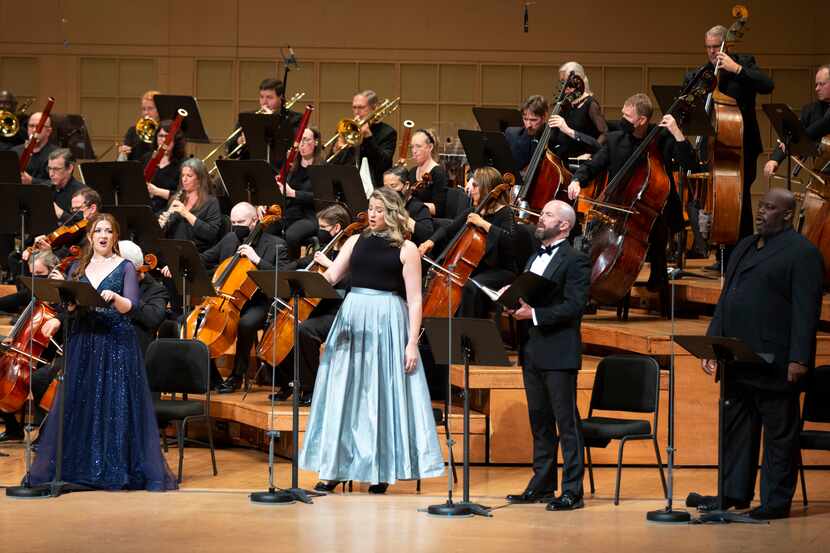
[[527, 286]]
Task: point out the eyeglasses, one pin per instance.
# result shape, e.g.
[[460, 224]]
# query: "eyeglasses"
[[306, 140], [34, 126], [60, 169], [821, 83], [81, 207]]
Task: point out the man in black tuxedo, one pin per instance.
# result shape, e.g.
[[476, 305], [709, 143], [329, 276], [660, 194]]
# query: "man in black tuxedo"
[[378, 143], [771, 300], [551, 357], [524, 140], [266, 254]]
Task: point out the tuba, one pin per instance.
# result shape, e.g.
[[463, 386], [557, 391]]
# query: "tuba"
[[348, 130]]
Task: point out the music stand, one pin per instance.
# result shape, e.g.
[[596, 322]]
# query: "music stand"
[[118, 182], [71, 132], [9, 167], [81, 294], [31, 212], [338, 184], [296, 285], [267, 136], [168, 106], [187, 270], [467, 341], [725, 350], [791, 133], [497, 119], [137, 223], [489, 149], [250, 180]]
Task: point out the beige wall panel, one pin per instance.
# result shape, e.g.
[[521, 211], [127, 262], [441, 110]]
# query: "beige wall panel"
[[251, 73], [249, 105], [457, 83], [203, 22], [501, 84], [329, 114], [424, 116], [99, 77], [218, 116], [539, 79], [379, 77], [791, 87], [419, 82], [214, 79], [338, 81], [106, 23], [20, 75], [301, 81], [102, 117], [453, 118], [23, 20], [180, 78], [136, 76], [621, 82], [129, 110]]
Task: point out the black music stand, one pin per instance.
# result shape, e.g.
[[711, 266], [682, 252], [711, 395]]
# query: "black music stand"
[[32, 212], [792, 134], [71, 132], [118, 182], [168, 106], [137, 223], [66, 292], [296, 285], [250, 180], [338, 184], [489, 149], [9, 167], [467, 341], [725, 350], [267, 136], [187, 270], [497, 119]]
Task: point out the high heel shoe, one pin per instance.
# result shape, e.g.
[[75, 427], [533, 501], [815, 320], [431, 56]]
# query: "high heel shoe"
[[378, 488], [323, 486]]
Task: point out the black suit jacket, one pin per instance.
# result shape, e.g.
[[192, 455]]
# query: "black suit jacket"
[[267, 248], [379, 149], [149, 313], [522, 145], [556, 342], [815, 117], [772, 302]]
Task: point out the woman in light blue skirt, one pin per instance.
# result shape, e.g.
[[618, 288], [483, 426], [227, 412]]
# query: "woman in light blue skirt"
[[371, 417]]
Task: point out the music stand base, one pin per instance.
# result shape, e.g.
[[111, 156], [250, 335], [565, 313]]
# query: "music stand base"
[[273, 497], [450, 510], [725, 517], [669, 516], [29, 492]]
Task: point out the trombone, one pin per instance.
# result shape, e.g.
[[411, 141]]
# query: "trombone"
[[349, 129]]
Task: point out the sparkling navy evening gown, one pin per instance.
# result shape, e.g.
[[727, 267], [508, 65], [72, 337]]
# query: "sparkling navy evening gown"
[[111, 437]]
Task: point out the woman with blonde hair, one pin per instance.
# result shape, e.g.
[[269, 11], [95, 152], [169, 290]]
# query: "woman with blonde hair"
[[580, 128], [371, 416]]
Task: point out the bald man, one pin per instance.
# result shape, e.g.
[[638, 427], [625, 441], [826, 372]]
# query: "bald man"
[[266, 253], [551, 356], [37, 171], [771, 300]]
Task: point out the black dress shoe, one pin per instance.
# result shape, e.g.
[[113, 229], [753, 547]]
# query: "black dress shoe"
[[305, 399], [230, 385], [530, 496], [282, 395], [378, 488], [764, 513], [713, 267], [10, 436], [323, 486], [709, 503], [566, 502]]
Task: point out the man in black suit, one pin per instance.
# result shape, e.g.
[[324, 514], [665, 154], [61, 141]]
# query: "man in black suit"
[[266, 254], [378, 143], [771, 300], [524, 140], [740, 78], [551, 357]]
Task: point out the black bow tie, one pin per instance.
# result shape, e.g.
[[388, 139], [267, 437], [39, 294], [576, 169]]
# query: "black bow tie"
[[548, 249]]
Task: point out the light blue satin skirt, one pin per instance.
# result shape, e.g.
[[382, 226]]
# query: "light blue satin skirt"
[[369, 420]]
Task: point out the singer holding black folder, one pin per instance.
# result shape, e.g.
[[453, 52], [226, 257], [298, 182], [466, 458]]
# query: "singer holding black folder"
[[550, 357], [771, 300]]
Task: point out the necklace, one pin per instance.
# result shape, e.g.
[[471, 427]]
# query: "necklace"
[[101, 258]]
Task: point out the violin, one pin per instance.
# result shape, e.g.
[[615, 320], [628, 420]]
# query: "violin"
[[461, 257], [64, 233], [215, 321], [278, 339]]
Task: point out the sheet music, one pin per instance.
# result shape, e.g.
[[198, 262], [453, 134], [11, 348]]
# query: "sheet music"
[[366, 177]]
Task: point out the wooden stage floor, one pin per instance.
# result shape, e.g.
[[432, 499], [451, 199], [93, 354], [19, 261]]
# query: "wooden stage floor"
[[214, 514]]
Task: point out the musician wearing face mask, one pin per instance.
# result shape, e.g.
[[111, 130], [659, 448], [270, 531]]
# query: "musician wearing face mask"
[[271, 100], [134, 148], [420, 224], [37, 171], [672, 143], [265, 255], [433, 193], [166, 180]]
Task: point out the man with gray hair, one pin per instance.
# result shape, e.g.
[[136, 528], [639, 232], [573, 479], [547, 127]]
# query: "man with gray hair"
[[61, 167], [36, 172]]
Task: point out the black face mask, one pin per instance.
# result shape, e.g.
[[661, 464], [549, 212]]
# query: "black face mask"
[[626, 126], [241, 232], [323, 237]]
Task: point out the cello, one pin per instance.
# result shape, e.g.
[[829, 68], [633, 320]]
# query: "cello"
[[630, 204], [215, 321], [724, 190], [461, 257], [813, 216]]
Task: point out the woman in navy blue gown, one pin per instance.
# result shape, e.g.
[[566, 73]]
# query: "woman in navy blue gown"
[[111, 437]]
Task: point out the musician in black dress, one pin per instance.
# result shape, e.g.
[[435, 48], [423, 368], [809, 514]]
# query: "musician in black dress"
[[166, 180], [420, 224], [299, 222], [134, 148], [815, 117], [37, 169], [498, 266], [674, 148], [524, 140], [378, 142], [580, 128], [433, 193]]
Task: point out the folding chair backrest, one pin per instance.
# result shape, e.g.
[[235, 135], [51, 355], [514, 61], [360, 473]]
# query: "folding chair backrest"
[[626, 383], [817, 397], [178, 366]]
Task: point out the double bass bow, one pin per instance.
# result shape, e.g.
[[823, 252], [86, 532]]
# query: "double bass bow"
[[630, 204]]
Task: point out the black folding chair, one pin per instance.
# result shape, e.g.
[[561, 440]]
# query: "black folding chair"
[[816, 409], [628, 383]]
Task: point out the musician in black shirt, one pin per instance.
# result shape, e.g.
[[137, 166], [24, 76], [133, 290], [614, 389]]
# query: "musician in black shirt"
[[581, 127], [36, 171], [166, 180], [433, 193], [134, 147], [299, 221], [524, 140], [271, 100]]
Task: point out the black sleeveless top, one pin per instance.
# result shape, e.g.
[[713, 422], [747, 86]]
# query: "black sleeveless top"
[[580, 120], [376, 264]]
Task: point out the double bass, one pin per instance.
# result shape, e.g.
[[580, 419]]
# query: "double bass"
[[630, 204], [813, 216], [216, 320]]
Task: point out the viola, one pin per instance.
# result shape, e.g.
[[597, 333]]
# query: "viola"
[[461, 257], [215, 321], [150, 263]]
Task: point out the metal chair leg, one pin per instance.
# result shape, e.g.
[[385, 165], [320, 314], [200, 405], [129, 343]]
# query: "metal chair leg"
[[619, 473], [180, 427], [660, 466], [590, 469], [418, 486], [801, 475], [209, 423]]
